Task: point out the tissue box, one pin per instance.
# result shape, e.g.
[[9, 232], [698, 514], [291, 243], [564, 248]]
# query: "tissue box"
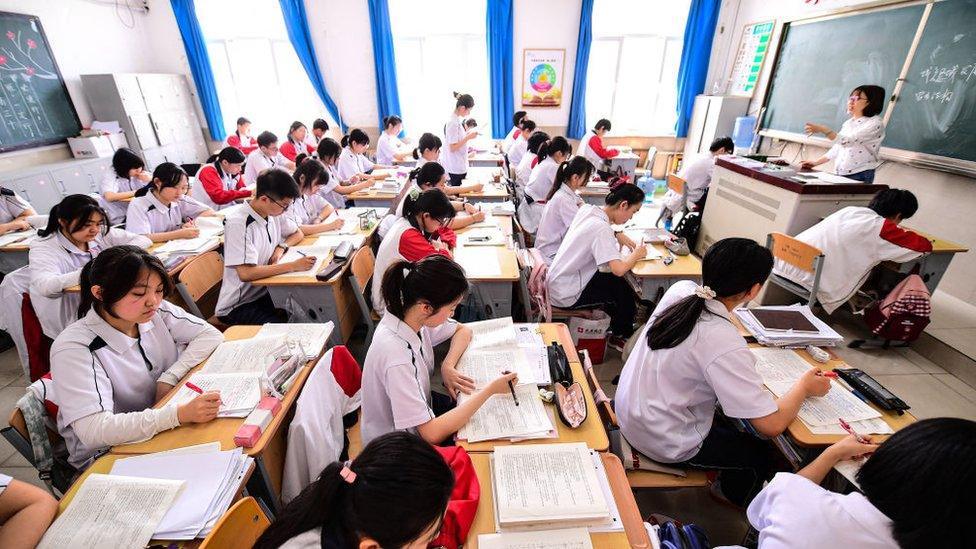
[[97, 146]]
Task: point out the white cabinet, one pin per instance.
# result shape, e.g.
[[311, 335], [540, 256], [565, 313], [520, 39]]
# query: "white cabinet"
[[46, 184], [713, 116]]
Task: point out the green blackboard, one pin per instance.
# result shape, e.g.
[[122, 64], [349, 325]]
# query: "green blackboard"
[[936, 110], [35, 108]]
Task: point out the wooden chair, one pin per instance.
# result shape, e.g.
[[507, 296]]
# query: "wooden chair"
[[800, 255], [197, 281], [648, 168], [240, 526], [679, 186], [361, 268], [17, 435]]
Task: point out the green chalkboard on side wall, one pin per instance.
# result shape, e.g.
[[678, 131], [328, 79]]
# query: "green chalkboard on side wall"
[[35, 108]]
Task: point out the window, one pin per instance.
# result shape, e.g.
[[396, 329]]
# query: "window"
[[257, 73], [633, 69], [440, 48]]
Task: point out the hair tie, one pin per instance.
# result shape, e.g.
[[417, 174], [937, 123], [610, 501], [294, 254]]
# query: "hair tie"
[[705, 292], [414, 193], [347, 474]]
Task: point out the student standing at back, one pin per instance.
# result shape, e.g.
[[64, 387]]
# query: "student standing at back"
[[310, 210], [541, 179], [691, 358], [420, 299], [265, 157], [241, 138], [454, 157], [336, 190], [254, 242], [295, 142], [521, 144], [221, 179], [161, 210], [389, 148], [697, 174], [591, 146], [562, 204], [514, 132], [119, 185], [128, 349], [856, 145], [530, 159]]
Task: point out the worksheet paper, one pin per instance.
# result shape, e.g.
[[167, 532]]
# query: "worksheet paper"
[[321, 254], [491, 334], [187, 245], [210, 226], [239, 393], [332, 240], [529, 335], [11, 238], [570, 538], [500, 418], [311, 337], [252, 355], [494, 349], [112, 512], [492, 236], [478, 263], [873, 426], [490, 222]]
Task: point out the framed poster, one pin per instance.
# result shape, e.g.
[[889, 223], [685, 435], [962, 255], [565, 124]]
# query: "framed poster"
[[542, 77], [748, 63]]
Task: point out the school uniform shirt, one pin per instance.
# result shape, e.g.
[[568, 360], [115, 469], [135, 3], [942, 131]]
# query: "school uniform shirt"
[[97, 369], [112, 183], [386, 147], [518, 149], [524, 168], [402, 242], [257, 162], [249, 239], [396, 376], [387, 222], [853, 240], [510, 138], [591, 148], [328, 191], [666, 398], [246, 144], [56, 264], [222, 188], [556, 219], [455, 162], [351, 164], [856, 146], [11, 205], [541, 178], [303, 211], [290, 149], [589, 244], [147, 215], [793, 512]]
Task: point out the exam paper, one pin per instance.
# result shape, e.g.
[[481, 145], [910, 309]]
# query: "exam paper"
[[239, 393], [252, 355], [485, 365], [478, 264], [321, 254], [11, 238], [529, 335], [874, 426], [311, 337], [112, 512], [500, 418], [570, 538], [491, 236], [494, 333], [187, 245]]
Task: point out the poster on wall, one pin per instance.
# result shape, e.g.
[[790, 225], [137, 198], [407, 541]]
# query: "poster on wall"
[[749, 60], [542, 77]]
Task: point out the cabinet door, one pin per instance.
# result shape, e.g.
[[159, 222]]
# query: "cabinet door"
[[153, 88], [163, 123], [185, 94], [130, 93], [38, 189], [145, 132], [72, 180], [154, 157], [96, 170]]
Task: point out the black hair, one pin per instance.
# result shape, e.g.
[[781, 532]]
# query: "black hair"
[[470, 123], [577, 166], [355, 136], [556, 144], [276, 184], [116, 270], [432, 202], [232, 155], [266, 139], [434, 279], [167, 174], [730, 267], [391, 121], [301, 157], [923, 478], [624, 192], [75, 210], [310, 172], [601, 124], [536, 141], [329, 148], [517, 117], [320, 124], [891, 202], [528, 125], [463, 100], [124, 160], [427, 142], [241, 121], [294, 126], [875, 96], [427, 175], [722, 143]]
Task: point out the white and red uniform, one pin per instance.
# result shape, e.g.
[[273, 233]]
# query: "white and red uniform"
[[591, 148], [402, 242], [222, 188], [246, 143], [853, 240], [291, 150], [513, 134]]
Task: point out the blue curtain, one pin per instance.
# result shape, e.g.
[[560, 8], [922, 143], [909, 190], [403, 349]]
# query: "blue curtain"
[[499, 31], [697, 48], [199, 59], [387, 96], [576, 127], [296, 21]]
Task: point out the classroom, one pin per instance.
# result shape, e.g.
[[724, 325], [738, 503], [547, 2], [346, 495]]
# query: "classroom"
[[508, 274]]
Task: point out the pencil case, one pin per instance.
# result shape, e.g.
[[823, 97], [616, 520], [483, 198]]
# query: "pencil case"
[[257, 421], [570, 399]]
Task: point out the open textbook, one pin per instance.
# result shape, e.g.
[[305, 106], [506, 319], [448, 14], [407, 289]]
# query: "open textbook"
[[187, 245], [570, 538], [312, 337], [496, 347], [321, 254], [239, 393], [252, 355], [500, 418]]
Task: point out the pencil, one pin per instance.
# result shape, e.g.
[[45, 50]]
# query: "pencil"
[[511, 387]]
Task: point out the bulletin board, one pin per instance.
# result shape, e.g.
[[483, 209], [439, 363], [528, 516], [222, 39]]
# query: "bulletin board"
[[542, 77]]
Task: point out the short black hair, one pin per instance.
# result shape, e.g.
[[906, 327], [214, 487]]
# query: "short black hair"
[[519, 115], [241, 121], [470, 123], [602, 124], [528, 126], [463, 100], [391, 121], [276, 184], [329, 148], [266, 139], [124, 160], [722, 143], [116, 270], [891, 202], [875, 96], [355, 135], [320, 124]]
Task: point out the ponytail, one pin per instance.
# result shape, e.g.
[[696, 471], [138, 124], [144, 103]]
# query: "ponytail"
[[624, 192], [355, 136], [309, 173], [432, 202], [577, 166], [231, 155], [74, 210], [730, 267], [555, 145], [463, 100], [537, 141], [428, 175], [427, 142], [291, 129], [435, 280], [391, 121], [328, 148], [167, 174]]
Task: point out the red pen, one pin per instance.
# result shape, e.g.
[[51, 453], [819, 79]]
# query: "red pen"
[[829, 373], [193, 388], [845, 426]]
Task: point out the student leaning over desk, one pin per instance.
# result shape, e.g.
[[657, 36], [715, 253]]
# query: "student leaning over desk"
[[310, 210], [162, 210], [562, 204], [538, 142], [389, 148], [241, 138], [514, 132], [521, 143], [432, 176], [319, 127], [221, 179], [336, 190], [127, 176], [266, 157]]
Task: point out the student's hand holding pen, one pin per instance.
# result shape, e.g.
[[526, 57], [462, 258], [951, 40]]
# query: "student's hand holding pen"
[[199, 410], [849, 448], [303, 263], [500, 385], [813, 383]]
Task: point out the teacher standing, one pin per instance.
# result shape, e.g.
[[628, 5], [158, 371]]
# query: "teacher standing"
[[856, 145]]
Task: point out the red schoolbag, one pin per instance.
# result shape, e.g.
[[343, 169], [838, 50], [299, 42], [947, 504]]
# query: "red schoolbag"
[[903, 313]]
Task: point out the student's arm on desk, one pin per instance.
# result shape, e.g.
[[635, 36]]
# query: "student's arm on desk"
[[116, 197], [621, 267], [294, 238], [902, 244], [108, 429], [454, 381], [45, 278], [19, 223], [26, 512], [461, 189], [354, 187], [250, 273], [200, 339], [443, 426], [846, 448], [788, 405]]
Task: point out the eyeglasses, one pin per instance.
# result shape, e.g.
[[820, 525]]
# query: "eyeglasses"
[[280, 205], [856, 98]]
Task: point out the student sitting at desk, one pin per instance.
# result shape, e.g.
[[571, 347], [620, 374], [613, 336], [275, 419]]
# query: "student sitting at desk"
[[428, 149], [77, 231], [916, 492], [854, 240], [389, 148], [254, 240], [415, 235], [310, 210], [420, 299], [521, 144], [222, 180], [352, 160], [432, 176], [557, 151], [562, 203], [856, 145], [128, 349], [127, 176], [336, 190], [14, 212], [591, 146], [26, 512], [161, 210], [514, 132], [295, 142], [267, 156], [530, 159], [697, 174], [241, 138], [691, 358], [319, 127], [394, 494]]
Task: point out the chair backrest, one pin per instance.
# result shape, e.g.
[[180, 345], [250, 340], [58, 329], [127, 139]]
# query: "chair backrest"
[[676, 184], [240, 526], [649, 160], [794, 252], [18, 423], [607, 414], [202, 274], [362, 266], [200, 194]]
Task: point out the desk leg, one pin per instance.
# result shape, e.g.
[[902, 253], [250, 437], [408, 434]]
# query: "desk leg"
[[260, 484], [650, 286], [496, 296], [310, 304]]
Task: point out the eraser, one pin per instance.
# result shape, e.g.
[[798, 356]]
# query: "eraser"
[[247, 435], [271, 404], [261, 418]]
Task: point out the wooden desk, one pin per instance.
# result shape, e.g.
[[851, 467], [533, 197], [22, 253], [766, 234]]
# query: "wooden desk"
[[371, 198], [933, 266], [268, 452], [496, 290], [479, 160], [591, 432], [491, 192], [175, 270], [653, 274], [14, 256], [594, 195], [634, 534], [103, 465]]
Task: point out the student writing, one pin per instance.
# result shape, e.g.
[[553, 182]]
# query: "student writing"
[[241, 138], [591, 146], [389, 148], [162, 210], [521, 143], [455, 157], [856, 145], [556, 151], [562, 204], [432, 176], [514, 132], [538, 142], [127, 176], [310, 210], [267, 156], [295, 141], [14, 212], [221, 179], [337, 188], [319, 127]]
